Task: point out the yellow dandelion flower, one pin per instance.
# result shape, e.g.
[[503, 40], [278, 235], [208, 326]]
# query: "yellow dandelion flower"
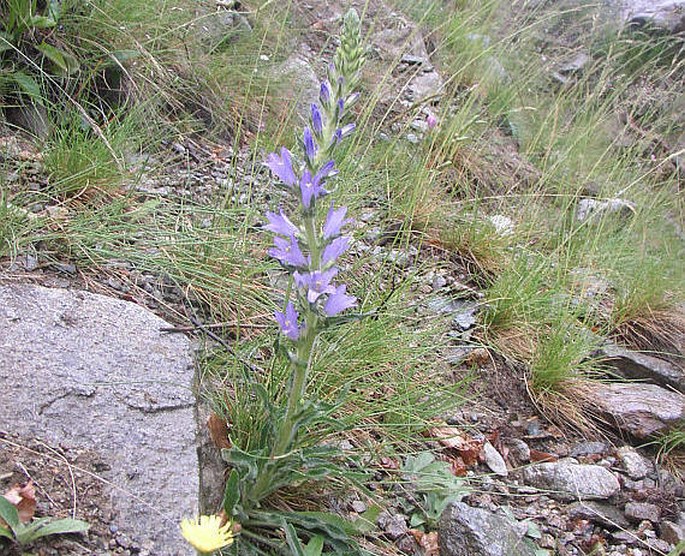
[[206, 533]]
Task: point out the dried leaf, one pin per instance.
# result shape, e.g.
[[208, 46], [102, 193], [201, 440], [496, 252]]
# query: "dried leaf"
[[450, 437], [430, 544], [537, 456], [218, 431], [389, 463], [24, 498], [458, 467]]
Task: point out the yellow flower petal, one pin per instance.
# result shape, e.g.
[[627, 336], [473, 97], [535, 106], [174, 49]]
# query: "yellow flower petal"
[[206, 534]]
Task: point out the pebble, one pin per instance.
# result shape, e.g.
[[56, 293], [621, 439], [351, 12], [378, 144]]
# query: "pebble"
[[494, 460], [636, 465], [672, 532], [640, 511]]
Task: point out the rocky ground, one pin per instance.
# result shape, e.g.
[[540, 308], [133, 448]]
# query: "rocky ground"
[[533, 489]]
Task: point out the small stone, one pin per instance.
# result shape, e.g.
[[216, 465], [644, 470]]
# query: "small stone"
[[589, 449], [673, 533], [467, 531], [640, 410], [494, 460], [413, 138], [641, 511], [659, 545], [575, 65], [519, 450], [636, 465], [504, 226], [593, 208], [358, 506], [603, 514], [567, 480], [394, 525]]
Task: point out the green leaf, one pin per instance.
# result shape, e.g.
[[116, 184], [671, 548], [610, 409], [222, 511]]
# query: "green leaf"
[[231, 492], [63, 62], [314, 546], [55, 9], [4, 532], [293, 541], [366, 522], [27, 85], [9, 513], [44, 527], [122, 56], [42, 22], [6, 42]]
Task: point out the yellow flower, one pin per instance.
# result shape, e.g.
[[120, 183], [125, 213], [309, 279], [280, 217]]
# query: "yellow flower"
[[206, 533]]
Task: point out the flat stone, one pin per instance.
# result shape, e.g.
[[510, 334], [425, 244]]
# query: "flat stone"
[[467, 531], [589, 449], [603, 514], [426, 86], [673, 533], [640, 410], [634, 365], [661, 15], [90, 371], [494, 460], [636, 465], [593, 208], [641, 511], [566, 479]]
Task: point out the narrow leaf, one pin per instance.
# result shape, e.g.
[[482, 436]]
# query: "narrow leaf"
[[8, 513], [314, 546], [293, 541], [231, 492], [27, 85]]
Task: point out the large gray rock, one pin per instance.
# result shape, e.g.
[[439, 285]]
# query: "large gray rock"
[[90, 371], [634, 365], [566, 479], [663, 15], [467, 531], [639, 410]]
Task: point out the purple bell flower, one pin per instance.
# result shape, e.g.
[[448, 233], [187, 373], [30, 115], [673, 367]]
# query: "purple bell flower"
[[316, 283], [281, 224], [338, 301], [310, 188], [335, 219], [334, 249], [282, 166], [288, 252], [288, 322]]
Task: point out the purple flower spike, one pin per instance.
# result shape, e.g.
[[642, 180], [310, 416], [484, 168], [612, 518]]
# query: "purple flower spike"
[[334, 249], [317, 121], [288, 252], [340, 109], [288, 322], [325, 94], [317, 283], [282, 166], [309, 145], [310, 188], [281, 224], [334, 222], [338, 301]]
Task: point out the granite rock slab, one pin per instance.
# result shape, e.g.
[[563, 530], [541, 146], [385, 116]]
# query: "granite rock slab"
[[85, 370]]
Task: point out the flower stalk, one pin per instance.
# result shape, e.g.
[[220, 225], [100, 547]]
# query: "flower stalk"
[[308, 244]]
